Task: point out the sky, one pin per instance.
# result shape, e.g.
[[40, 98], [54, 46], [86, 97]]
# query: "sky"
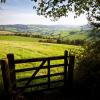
[[21, 12]]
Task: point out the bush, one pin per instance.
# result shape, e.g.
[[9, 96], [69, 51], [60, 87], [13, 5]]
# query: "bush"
[[88, 69]]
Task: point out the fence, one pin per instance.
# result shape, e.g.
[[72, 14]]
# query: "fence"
[[9, 72]]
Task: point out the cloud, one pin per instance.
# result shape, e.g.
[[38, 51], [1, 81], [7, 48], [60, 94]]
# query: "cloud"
[[21, 12], [17, 17]]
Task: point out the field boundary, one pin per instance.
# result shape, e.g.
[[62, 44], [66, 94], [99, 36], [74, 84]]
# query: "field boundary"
[[9, 73]]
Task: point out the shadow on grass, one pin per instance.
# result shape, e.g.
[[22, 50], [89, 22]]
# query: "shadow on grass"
[[78, 92]]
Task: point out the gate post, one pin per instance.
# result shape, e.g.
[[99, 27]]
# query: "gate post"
[[6, 78], [70, 71], [48, 73], [65, 68], [11, 65]]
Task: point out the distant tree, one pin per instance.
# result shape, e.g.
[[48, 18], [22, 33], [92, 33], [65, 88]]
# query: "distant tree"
[[72, 32]]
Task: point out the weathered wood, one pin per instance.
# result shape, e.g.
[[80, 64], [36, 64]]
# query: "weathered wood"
[[12, 70], [40, 84], [46, 89], [17, 61], [6, 77], [35, 68], [70, 71], [65, 67], [34, 74], [48, 73], [38, 77]]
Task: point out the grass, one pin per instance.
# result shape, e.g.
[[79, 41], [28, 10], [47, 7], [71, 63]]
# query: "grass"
[[27, 47], [78, 37], [18, 38], [6, 32]]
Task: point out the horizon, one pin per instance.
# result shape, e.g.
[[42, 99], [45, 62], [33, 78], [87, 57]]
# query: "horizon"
[[21, 12], [45, 24]]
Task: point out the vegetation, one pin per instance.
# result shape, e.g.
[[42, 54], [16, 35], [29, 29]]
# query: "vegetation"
[[3, 1], [63, 35], [38, 29], [88, 70], [59, 8], [27, 47]]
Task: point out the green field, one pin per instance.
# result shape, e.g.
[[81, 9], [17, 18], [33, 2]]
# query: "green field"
[[27, 47]]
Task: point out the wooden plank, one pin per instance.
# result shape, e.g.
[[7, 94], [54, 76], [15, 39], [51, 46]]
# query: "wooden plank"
[[65, 67], [40, 84], [70, 71], [17, 61], [32, 77], [38, 77], [35, 68], [6, 77], [44, 90], [12, 70], [48, 73]]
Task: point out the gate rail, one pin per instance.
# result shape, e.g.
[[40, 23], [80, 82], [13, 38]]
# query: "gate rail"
[[9, 72]]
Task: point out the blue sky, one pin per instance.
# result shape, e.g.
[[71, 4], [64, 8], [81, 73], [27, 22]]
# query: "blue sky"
[[21, 12]]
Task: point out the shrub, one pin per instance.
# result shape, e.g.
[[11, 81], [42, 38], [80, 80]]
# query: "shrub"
[[88, 69]]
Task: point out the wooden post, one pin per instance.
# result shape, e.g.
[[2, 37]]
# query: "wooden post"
[[70, 71], [5, 76], [48, 73], [12, 70], [65, 67]]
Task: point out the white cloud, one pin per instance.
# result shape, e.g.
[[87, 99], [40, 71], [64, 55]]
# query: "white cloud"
[[12, 17]]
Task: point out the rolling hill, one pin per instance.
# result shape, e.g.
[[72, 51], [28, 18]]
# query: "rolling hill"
[[43, 29]]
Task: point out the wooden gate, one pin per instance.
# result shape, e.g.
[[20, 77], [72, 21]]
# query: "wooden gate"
[[9, 73]]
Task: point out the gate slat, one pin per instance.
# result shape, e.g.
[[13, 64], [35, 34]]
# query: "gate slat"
[[38, 77], [35, 68]]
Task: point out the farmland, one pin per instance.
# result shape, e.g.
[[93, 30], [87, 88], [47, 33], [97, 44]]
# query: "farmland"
[[27, 47]]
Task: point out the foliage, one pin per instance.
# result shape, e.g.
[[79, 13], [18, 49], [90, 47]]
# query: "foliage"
[[94, 20], [59, 8], [95, 34], [2, 1], [62, 37], [88, 70]]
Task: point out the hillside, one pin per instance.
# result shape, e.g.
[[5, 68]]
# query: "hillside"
[[66, 34], [43, 29], [6, 33]]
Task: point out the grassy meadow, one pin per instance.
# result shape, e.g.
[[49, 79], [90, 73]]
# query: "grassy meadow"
[[27, 47]]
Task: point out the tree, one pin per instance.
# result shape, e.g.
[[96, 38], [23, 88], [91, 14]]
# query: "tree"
[[94, 20], [3, 1], [88, 69], [59, 8]]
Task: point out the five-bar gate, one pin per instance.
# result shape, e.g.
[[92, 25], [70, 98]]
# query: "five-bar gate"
[[9, 72]]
